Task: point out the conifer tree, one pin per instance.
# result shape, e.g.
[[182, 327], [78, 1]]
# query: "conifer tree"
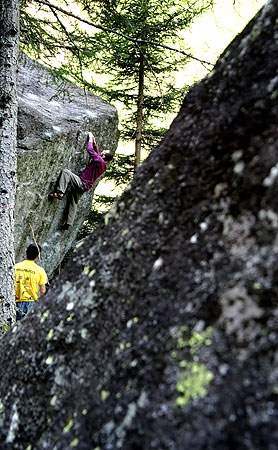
[[137, 59], [135, 47]]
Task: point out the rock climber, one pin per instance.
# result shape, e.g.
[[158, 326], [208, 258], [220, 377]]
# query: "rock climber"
[[83, 182]]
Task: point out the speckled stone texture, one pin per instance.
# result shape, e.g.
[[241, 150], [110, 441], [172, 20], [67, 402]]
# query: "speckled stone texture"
[[161, 332]]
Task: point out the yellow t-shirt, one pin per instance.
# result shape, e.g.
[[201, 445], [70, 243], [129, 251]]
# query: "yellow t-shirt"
[[28, 277]]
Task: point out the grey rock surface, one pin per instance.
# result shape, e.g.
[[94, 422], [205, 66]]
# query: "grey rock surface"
[[53, 121], [161, 332]]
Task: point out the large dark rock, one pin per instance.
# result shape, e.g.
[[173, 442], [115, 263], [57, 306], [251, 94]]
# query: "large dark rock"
[[161, 332], [53, 121]]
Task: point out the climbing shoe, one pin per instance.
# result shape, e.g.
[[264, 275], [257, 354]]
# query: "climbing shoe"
[[55, 195], [65, 227]]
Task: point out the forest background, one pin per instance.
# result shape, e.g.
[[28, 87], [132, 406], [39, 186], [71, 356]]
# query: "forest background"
[[140, 56]]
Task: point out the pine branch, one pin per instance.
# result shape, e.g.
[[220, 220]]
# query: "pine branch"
[[108, 30]]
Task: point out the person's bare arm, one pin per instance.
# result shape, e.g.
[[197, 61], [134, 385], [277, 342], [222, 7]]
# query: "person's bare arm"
[[91, 138], [42, 289], [92, 145]]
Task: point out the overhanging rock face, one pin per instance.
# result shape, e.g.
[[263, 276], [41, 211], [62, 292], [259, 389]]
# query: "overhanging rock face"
[[162, 330], [52, 124]]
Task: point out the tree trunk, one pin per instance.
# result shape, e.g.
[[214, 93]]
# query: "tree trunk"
[[139, 118], [9, 38]]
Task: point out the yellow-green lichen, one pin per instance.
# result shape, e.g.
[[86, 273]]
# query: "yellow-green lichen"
[[104, 394], [70, 317], [53, 400], [74, 443], [112, 213], [170, 166], [193, 382], [194, 378], [255, 33], [128, 386], [274, 95], [5, 328], [193, 340], [50, 335], [68, 426], [130, 244], [44, 316], [86, 270], [49, 360]]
